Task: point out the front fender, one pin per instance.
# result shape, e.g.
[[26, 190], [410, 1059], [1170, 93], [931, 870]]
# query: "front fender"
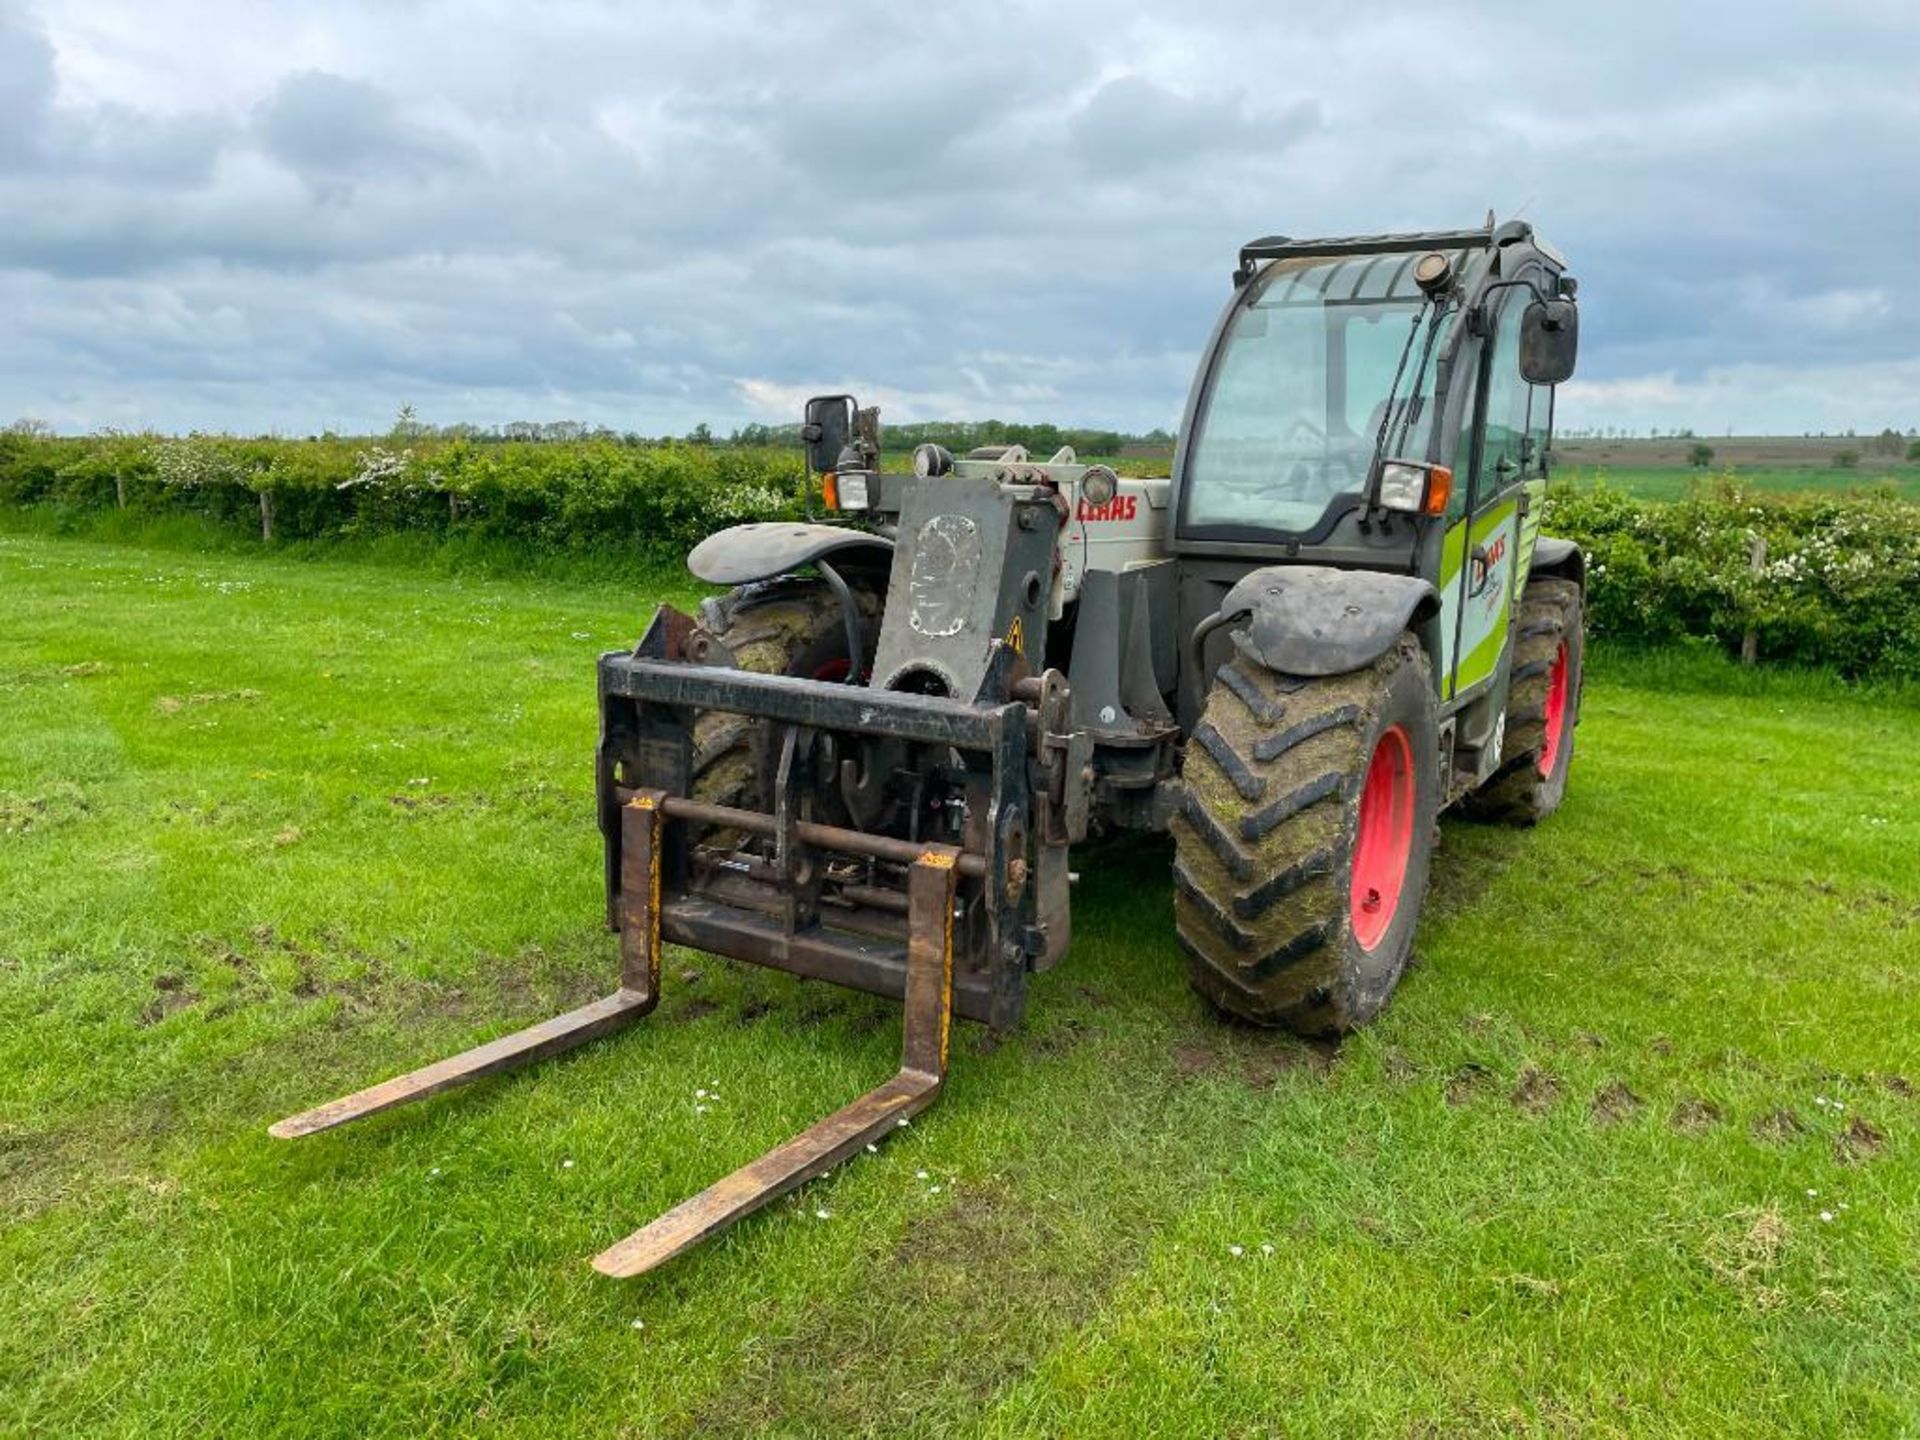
[[744, 553], [1312, 620]]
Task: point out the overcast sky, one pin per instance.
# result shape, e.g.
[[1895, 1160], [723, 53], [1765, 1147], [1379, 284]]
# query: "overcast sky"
[[296, 216]]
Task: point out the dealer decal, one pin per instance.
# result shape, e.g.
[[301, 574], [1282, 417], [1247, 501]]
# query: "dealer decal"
[[1485, 565]]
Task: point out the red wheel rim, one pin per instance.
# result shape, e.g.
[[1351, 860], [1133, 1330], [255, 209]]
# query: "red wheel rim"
[[834, 669], [1556, 713], [1384, 838]]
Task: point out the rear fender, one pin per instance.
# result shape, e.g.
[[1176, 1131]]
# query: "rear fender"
[[741, 554], [1314, 620], [1562, 558]]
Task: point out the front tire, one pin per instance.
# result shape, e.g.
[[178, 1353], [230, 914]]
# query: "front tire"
[[789, 626], [1305, 838]]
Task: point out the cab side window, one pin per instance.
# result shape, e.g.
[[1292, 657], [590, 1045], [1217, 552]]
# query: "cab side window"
[[1506, 456]]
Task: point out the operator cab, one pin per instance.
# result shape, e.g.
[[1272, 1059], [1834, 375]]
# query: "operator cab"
[[1340, 381], [1298, 397]]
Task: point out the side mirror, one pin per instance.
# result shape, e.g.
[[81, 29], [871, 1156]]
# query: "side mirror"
[[1549, 341], [828, 428]]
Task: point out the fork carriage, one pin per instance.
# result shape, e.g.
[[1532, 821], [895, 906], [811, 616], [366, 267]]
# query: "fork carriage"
[[945, 917]]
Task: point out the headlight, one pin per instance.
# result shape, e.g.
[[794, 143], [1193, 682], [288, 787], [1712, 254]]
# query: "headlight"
[[1414, 488], [853, 491], [1099, 485]]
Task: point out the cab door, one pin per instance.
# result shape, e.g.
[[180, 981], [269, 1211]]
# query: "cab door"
[[1485, 546]]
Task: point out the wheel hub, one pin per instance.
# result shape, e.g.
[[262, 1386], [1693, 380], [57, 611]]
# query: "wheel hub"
[[1383, 839], [1556, 713]]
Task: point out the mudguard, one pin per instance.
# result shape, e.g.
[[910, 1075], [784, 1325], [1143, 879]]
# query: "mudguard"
[[1554, 556], [742, 553], [1312, 620]]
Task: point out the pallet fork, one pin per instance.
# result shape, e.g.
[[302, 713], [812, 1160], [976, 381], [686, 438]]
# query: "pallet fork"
[[923, 1063]]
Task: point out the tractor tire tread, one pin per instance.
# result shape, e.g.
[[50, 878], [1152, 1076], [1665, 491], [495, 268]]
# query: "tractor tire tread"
[[767, 628], [1260, 901], [1230, 761]]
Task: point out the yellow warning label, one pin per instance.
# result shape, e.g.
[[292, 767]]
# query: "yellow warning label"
[[1017, 637]]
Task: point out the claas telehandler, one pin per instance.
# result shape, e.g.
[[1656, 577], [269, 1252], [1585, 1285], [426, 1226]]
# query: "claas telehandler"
[[868, 759]]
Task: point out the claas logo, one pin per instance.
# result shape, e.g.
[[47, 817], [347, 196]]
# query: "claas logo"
[[1120, 507], [1483, 564]]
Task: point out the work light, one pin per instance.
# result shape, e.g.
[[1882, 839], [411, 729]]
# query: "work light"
[[853, 491], [1417, 489]]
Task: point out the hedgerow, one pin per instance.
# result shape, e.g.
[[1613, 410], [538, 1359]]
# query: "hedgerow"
[[593, 495], [1834, 583], [1838, 587]]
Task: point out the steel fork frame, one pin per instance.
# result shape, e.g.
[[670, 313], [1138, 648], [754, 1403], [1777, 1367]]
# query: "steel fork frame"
[[926, 1025]]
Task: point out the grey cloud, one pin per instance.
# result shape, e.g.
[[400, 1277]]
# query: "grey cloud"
[[39, 134], [26, 89], [1131, 125], [333, 131], [174, 152]]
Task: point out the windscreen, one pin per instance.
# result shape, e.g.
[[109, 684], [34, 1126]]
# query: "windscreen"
[[1298, 391]]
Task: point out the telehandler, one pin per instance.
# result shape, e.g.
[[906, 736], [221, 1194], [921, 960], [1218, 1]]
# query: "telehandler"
[[867, 761]]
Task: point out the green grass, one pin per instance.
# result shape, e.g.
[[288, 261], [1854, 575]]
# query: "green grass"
[[271, 831], [1657, 482]]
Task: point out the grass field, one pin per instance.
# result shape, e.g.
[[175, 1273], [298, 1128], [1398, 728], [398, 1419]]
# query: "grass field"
[[272, 830]]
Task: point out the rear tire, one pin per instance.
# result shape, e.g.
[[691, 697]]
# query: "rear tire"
[[1297, 789], [1543, 707], [790, 626]]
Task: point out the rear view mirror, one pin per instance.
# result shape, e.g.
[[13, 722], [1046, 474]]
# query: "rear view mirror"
[[1549, 341], [828, 428]]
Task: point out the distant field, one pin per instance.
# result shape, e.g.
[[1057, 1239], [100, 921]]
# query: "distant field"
[[1661, 469], [1745, 452]]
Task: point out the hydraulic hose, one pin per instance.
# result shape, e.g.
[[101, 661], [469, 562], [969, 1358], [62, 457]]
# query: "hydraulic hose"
[[850, 616]]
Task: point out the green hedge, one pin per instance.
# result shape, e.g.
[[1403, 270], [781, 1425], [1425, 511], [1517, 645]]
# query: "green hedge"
[[1839, 585], [1839, 588], [590, 496]]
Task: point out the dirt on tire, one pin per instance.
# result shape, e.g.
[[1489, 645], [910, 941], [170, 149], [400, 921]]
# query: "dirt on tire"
[[781, 627]]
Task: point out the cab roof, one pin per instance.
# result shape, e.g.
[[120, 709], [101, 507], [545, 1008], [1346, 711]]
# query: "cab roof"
[[1409, 243]]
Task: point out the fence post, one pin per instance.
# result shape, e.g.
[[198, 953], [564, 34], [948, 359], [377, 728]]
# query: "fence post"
[[1756, 562], [266, 513]]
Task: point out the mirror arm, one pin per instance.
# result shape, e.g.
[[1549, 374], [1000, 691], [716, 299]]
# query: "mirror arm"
[[1480, 306]]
